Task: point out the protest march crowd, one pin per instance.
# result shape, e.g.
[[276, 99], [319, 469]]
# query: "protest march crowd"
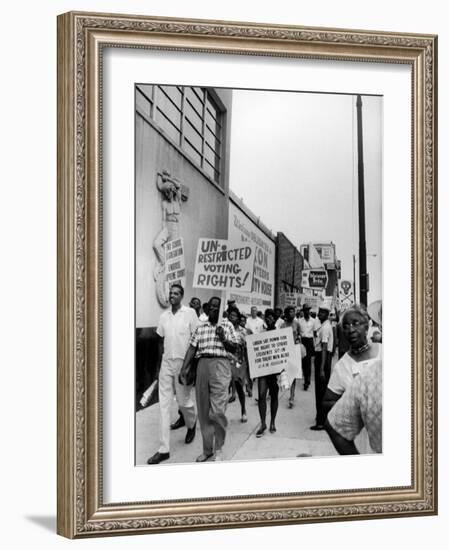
[[203, 353]]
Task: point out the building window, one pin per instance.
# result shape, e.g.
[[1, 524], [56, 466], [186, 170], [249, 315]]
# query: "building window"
[[191, 118]]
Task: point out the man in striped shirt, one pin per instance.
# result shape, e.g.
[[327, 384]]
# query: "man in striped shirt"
[[210, 344]]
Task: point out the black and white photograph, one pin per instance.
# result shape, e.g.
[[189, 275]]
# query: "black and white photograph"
[[258, 274], [218, 219]]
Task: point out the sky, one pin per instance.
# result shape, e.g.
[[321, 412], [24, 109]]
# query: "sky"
[[293, 161]]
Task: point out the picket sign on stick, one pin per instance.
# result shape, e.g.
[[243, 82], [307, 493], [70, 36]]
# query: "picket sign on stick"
[[175, 267], [221, 264], [273, 351]]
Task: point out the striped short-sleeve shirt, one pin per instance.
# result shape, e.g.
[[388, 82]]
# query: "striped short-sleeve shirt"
[[206, 342]]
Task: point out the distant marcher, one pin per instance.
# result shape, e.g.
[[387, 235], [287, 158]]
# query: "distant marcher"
[[333, 322], [360, 407], [176, 326], [254, 323], [195, 304], [267, 384], [306, 328], [230, 304], [278, 313], [249, 382], [211, 343], [243, 322], [205, 315], [323, 362]]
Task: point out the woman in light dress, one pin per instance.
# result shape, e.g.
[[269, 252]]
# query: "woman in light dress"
[[239, 363], [362, 353]]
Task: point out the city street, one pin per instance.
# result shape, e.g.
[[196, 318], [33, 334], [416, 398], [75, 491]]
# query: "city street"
[[292, 438]]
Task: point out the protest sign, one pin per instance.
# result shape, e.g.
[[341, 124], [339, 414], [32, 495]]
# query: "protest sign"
[[312, 301], [292, 299], [243, 230], [314, 278], [175, 268], [221, 264], [271, 352]]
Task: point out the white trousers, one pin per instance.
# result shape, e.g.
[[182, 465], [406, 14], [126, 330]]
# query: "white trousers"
[[169, 386]]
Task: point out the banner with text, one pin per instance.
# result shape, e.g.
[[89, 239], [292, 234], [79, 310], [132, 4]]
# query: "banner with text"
[[222, 264], [241, 230], [175, 267], [315, 302], [271, 352], [292, 299]]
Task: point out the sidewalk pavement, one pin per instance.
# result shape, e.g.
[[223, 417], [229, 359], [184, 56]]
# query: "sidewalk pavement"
[[292, 438]]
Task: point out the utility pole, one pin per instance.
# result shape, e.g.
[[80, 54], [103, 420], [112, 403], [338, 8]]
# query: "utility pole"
[[353, 279], [363, 275]]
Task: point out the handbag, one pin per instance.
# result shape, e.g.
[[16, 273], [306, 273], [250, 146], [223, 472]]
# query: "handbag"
[[282, 380]]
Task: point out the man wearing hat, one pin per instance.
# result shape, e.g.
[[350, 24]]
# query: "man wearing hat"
[[306, 331], [323, 361]]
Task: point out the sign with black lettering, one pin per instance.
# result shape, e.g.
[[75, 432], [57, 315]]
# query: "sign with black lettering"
[[314, 278], [175, 267], [243, 230], [221, 264], [273, 351]]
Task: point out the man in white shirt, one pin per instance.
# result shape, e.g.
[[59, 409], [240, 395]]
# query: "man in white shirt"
[[323, 361], [278, 313], [175, 328], [254, 323], [307, 326], [205, 314]]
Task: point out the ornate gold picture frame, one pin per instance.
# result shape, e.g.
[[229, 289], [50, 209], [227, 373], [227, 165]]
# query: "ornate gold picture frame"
[[82, 41]]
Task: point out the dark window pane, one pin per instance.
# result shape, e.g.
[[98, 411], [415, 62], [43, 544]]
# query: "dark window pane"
[[146, 90], [211, 172], [194, 102], [192, 134], [143, 104], [211, 155], [169, 111], [213, 126], [173, 93], [199, 92], [167, 126], [193, 117], [192, 152], [212, 109], [213, 142]]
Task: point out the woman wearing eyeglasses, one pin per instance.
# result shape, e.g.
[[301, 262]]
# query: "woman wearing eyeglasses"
[[361, 353]]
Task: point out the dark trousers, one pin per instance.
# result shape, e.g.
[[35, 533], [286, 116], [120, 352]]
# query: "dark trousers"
[[307, 360], [321, 385], [267, 384]]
